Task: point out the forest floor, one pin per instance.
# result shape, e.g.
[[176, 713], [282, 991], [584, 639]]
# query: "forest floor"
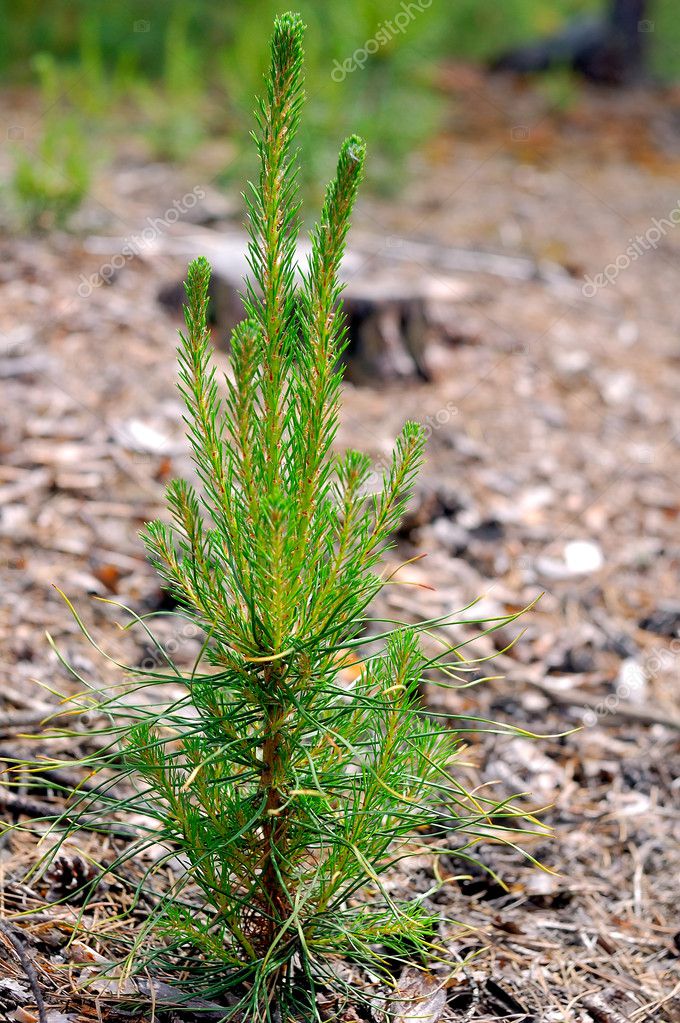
[[553, 468]]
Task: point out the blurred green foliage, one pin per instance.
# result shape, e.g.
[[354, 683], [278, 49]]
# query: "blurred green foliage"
[[133, 34], [178, 72], [49, 183], [664, 26]]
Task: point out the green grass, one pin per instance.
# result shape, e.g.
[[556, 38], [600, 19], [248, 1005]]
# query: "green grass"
[[51, 178]]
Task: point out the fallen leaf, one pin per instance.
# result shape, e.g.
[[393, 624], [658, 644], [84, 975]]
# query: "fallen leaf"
[[422, 998], [14, 987], [24, 1016]]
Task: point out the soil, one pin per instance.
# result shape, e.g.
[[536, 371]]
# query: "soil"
[[553, 468]]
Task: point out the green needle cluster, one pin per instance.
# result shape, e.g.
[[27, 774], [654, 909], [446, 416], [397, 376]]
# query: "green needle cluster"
[[284, 786]]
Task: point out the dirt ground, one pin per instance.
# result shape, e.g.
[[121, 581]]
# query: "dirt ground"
[[553, 469]]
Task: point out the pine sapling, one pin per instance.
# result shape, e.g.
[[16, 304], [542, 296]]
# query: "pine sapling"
[[285, 788]]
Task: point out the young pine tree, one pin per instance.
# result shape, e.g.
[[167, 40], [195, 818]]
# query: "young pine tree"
[[286, 791]]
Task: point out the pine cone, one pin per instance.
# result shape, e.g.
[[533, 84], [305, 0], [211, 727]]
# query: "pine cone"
[[69, 877]]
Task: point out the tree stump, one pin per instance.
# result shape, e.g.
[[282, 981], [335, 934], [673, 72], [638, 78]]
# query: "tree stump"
[[392, 312]]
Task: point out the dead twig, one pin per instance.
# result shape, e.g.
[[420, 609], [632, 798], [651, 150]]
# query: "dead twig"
[[17, 944], [10, 724], [601, 1011], [16, 803], [622, 711]]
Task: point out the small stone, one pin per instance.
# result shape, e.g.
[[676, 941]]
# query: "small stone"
[[628, 333], [583, 557], [452, 537], [664, 620], [572, 363], [631, 682], [142, 437], [574, 660], [617, 388], [488, 531], [641, 553], [13, 517]]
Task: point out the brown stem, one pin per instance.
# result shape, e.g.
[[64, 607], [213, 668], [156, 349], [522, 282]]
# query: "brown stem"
[[274, 763]]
